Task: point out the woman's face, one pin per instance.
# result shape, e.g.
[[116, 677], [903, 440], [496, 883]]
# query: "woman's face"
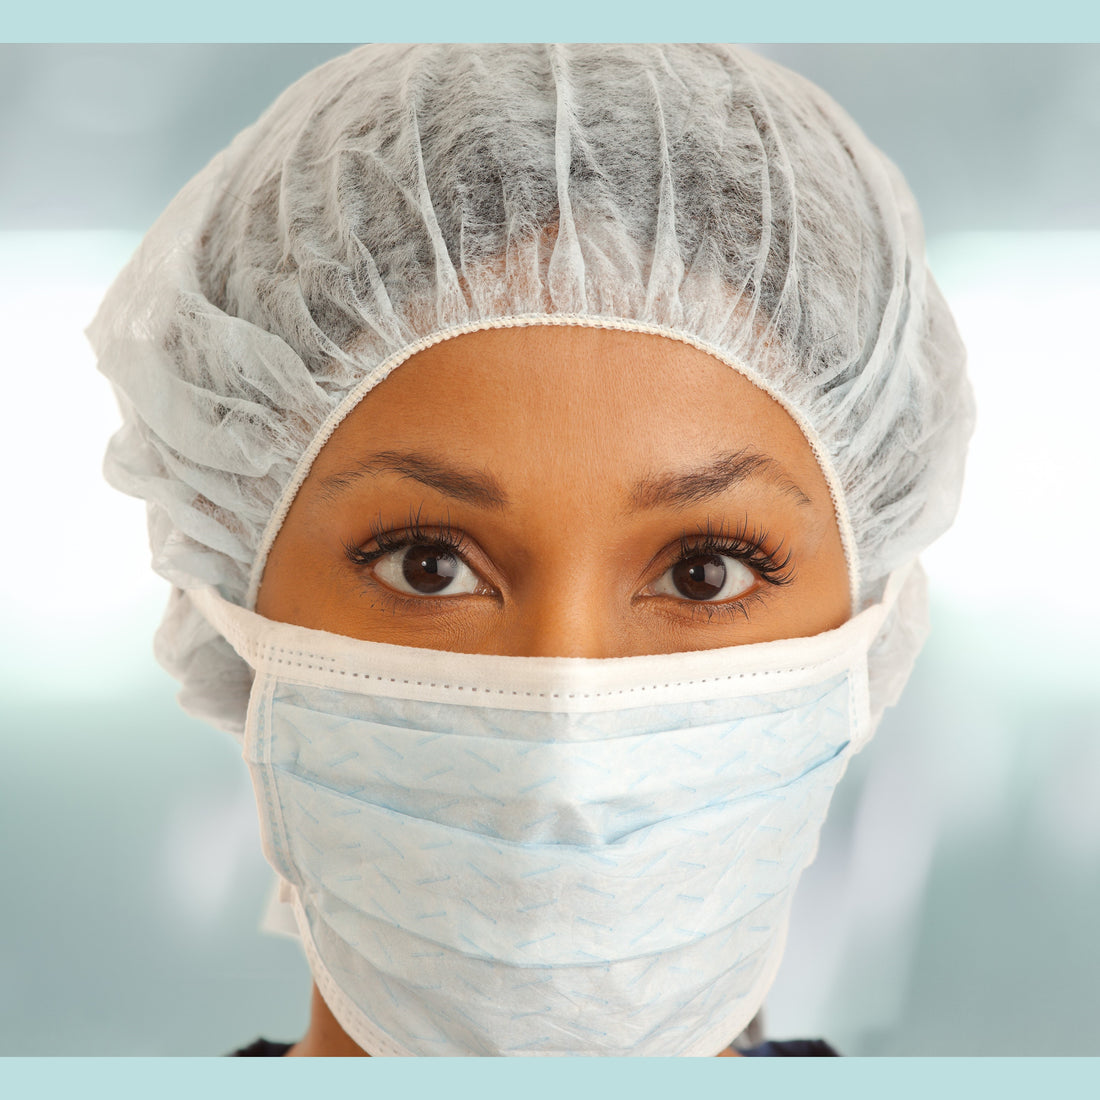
[[562, 491]]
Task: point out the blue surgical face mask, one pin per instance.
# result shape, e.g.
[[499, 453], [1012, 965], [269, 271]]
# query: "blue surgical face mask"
[[510, 855]]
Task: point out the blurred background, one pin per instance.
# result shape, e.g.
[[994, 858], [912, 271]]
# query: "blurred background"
[[954, 905]]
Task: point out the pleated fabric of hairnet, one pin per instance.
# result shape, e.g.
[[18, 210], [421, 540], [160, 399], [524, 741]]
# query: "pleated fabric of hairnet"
[[399, 191]]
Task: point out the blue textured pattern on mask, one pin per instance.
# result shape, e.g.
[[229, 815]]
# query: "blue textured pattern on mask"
[[456, 859], [554, 778]]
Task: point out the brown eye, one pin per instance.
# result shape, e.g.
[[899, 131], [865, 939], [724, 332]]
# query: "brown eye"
[[424, 569], [706, 576]]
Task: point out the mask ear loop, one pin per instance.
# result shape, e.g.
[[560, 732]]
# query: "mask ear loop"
[[895, 583], [864, 721], [392, 362]]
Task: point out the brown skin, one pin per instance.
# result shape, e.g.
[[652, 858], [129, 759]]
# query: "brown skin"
[[565, 561]]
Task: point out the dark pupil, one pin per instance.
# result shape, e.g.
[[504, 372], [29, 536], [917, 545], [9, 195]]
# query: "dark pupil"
[[699, 577], [428, 568]]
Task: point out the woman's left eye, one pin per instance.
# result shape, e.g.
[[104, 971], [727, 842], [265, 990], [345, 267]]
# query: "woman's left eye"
[[426, 569], [706, 577]]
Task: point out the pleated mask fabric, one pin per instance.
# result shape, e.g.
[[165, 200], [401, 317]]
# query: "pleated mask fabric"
[[505, 855]]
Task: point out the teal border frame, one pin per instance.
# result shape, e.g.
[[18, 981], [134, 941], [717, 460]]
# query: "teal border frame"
[[551, 1078], [565, 20], [568, 20]]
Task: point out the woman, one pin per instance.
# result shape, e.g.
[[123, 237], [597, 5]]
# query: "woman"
[[548, 648]]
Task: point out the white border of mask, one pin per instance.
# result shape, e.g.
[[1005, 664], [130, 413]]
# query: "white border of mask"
[[581, 684]]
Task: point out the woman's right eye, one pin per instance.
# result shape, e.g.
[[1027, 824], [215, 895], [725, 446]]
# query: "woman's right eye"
[[706, 577], [426, 569]]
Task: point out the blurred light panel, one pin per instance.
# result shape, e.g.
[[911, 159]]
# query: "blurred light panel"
[[77, 588], [1019, 554]]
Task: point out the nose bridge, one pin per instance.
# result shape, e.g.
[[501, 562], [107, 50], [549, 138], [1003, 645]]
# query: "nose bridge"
[[570, 632], [568, 612]]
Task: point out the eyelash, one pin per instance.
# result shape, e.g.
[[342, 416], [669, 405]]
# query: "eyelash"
[[747, 545]]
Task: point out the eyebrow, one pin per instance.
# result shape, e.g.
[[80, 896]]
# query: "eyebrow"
[[673, 489]]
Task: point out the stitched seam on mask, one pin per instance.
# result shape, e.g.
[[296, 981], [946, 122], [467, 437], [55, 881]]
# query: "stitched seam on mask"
[[279, 840], [270, 653], [859, 706]]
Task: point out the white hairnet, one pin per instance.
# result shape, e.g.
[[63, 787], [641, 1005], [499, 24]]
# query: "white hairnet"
[[400, 194]]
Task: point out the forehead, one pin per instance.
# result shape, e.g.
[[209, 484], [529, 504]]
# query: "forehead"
[[575, 400]]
